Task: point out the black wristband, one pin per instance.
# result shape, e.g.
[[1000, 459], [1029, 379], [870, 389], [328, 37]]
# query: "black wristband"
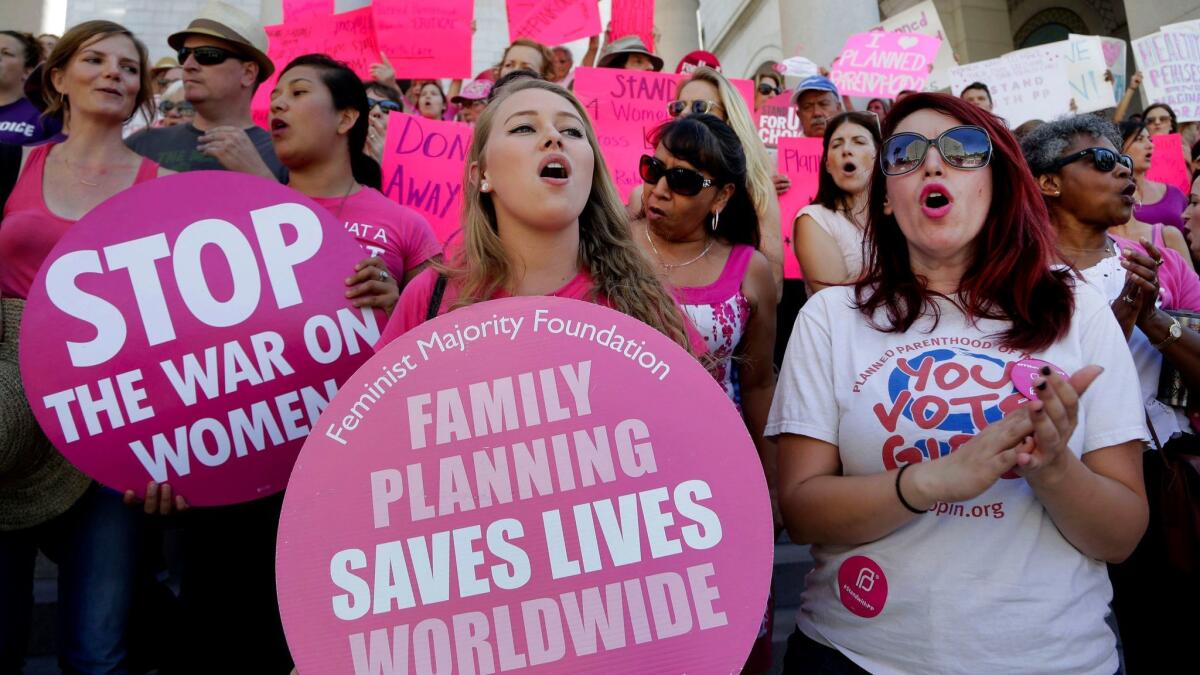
[[900, 494]]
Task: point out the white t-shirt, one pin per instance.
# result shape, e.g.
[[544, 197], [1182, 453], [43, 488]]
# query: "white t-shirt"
[[847, 236], [983, 586]]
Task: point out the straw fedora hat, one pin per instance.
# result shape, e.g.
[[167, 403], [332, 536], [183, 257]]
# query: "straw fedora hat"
[[228, 23], [36, 482]]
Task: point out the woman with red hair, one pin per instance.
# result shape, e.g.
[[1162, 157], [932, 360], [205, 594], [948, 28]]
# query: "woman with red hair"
[[961, 491]]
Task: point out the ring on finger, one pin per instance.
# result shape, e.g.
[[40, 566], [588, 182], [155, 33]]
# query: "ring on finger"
[[1129, 299], [383, 275]]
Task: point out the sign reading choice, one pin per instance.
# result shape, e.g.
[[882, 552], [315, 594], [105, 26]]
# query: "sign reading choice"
[[525, 483], [181, 339]]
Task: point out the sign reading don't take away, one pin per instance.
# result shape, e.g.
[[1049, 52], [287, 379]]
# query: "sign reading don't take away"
[[190, 330], [530, 483]]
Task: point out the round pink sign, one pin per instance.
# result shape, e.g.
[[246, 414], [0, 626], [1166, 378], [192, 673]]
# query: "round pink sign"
[[190, 330], [526, 483]]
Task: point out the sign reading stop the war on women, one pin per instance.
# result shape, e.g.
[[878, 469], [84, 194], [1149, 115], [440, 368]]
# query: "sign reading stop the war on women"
[[178, 338], [625, 106], [423, 163], [525, 483], [800, 160], [882, 63]]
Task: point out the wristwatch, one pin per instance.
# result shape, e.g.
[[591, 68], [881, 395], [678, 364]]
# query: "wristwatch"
[[1173, 333]]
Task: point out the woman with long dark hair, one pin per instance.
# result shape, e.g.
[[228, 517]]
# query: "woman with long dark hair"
[[1156, 204], [319, 122], [828, 239], [941, 445]]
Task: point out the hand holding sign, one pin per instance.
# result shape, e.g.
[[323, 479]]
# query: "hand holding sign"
[[177, 339], [472, 504]]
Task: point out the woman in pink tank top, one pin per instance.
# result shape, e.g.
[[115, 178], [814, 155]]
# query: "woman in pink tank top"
[[98, 77]]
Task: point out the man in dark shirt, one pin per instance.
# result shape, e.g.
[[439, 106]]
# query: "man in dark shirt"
[[224, 61], [20, 122]]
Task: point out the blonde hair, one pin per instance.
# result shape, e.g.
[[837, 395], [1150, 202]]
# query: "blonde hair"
[[619, 272], [79, 37], [759, 173]]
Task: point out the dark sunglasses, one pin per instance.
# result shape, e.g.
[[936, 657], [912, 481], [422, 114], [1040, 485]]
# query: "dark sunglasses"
[[765, 88], [1105, 160], [208, 56], [682, 181], [676, 108], [183, 107], [385, 104], [965, 147]]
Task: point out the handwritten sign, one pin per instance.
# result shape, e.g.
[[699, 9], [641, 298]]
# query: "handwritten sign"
[[423, 163], [800, 160], [504, 488], [1114, 60], [1086, 65], [1168, 164], [882, 63], [1170, 65], [1027, 84], [625, 106], [777, 119], [426, 38], [301, 9], [552, 22], [634, 17], [190, 330], [923, 19], [347, 36]]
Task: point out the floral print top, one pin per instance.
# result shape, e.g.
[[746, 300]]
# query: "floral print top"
[[719, 312]]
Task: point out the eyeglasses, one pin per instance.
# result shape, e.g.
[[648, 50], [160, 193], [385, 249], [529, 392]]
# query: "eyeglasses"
[[676, 108], [183, 107], [766, 88], [1165, 119], [682, 181], [208, 56], [385, 104], [1105, 160], [964, 147]]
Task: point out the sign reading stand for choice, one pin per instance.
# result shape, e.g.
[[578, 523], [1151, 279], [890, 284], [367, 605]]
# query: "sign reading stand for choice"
[[190, 330], [526, 483]]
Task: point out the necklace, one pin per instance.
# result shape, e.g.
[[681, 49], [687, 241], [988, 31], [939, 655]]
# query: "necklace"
[[345, 196], [1107, 248], [671, 266], [66, 160]]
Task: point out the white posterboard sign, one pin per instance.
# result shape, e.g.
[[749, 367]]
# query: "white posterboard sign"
[[1028, 84]]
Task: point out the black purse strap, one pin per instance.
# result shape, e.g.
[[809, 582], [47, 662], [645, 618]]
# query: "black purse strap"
[[435, 300]]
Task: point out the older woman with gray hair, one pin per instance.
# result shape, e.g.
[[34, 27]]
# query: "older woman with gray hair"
[[1088, 187]]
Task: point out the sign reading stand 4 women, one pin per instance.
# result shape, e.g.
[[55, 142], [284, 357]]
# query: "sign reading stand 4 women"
[[529, 483], [190, 330]]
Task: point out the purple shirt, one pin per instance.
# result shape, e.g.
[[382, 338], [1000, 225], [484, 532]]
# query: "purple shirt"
[[23, 124], [1168, 210]]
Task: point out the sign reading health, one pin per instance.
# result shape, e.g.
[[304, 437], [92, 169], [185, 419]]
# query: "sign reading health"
[[625, 106], [346, 36], [423, 163], [426, 38], [800, 160], [175, 337], [504, 488], [882, 63], [923, 19], [1027, 84], [1167, 164], [552, 22], [1170, 65]]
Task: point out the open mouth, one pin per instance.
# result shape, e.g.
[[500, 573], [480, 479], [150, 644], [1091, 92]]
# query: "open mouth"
[[936, 200], [1128, 192], [849, 167], [277, 124], [555, 168]]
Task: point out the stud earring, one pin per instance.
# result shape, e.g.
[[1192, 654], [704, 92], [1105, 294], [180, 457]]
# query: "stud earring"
[[485, 186]]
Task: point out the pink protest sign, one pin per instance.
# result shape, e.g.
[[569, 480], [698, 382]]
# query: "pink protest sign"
[[800, 160], [625, 106], [777, 119], [526, 483], [301, 9], [1167, 164], [426, 38], [190, 330], [346, 36], [552, 22], [634, 17], [423, 163], [882, 63]]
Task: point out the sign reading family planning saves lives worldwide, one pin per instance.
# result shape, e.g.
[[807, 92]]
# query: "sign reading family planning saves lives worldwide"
[[526, 483], [190, 330]]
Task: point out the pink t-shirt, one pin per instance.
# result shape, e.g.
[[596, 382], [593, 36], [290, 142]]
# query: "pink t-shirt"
[[399, 235], [413, 305]]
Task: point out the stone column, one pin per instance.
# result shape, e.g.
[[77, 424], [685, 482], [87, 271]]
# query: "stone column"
[[818, 30], [675, 21]]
